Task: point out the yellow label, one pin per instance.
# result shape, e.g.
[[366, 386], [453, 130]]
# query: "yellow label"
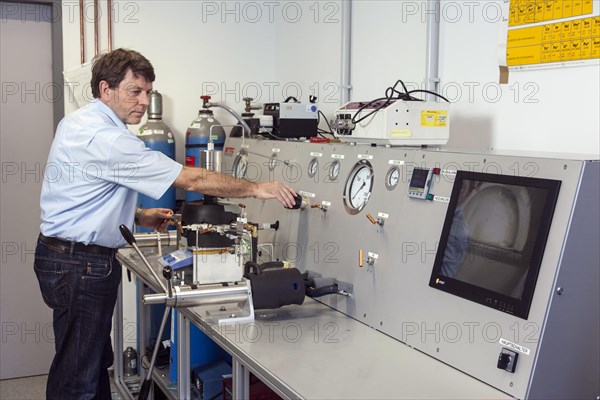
[[434, 118], [576, 29], [586, 27], [586, 48], [596, 47], [567, 9], [577, 7], [523, 55], [400, 133], [596, 26], [566, 31], [525, 36], [558, 42]]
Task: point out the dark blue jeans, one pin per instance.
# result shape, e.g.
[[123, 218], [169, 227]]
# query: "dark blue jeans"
[[81, 289]]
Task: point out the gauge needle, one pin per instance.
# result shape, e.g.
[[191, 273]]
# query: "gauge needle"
[[359, 189]]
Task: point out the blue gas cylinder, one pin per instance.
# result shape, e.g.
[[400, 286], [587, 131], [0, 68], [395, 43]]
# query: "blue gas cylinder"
[[157, 136], [202, 130]]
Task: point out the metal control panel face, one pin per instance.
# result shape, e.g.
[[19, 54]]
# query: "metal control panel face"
[[420, 183], [363, 225]]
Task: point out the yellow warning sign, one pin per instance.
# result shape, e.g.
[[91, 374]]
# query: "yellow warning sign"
[[434, 118]]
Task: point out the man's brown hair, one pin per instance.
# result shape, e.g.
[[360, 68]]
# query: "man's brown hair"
[[112, 68]]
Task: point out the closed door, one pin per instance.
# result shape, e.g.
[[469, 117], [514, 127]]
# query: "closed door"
[[26, 108]]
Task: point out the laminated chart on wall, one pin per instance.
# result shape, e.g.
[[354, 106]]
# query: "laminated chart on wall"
[[552, 31]]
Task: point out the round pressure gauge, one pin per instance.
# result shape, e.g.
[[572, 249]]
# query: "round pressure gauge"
[[358, 187], [334, 170], [273, 161], [240, 165], [313, 167], [392, 178]]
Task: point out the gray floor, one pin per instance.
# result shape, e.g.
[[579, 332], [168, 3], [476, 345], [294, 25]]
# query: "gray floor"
[[30, 388]]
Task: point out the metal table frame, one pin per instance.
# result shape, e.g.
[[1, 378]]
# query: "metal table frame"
[[360, 363]]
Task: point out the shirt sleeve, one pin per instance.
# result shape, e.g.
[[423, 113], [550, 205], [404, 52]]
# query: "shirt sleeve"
[[135, 166]]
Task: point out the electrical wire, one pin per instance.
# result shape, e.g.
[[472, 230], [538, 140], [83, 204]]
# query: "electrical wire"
[[320, 132], [392, 94]]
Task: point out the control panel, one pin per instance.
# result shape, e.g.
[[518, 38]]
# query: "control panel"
[[454, 254]]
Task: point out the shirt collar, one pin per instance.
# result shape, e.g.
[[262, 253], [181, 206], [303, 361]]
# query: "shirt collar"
[[110, 113]]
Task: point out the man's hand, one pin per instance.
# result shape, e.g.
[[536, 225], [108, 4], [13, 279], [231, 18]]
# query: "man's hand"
[[156, 218], [276, 190]]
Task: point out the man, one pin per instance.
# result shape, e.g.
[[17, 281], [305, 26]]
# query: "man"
[[98, 166]]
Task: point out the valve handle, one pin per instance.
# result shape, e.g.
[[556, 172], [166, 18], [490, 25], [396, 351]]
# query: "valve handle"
[[127, 234], [370, 218], [168, 272]]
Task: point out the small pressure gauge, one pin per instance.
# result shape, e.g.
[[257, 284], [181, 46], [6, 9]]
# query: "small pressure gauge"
[[392, 178], [273, 162], [334, 170], [240, 165], [313, 167], [358, 187]]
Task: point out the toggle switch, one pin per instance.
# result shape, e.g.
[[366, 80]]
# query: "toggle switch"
[[507, 360]]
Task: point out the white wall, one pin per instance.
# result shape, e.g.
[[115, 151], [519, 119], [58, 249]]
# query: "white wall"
[[269, 50], [543, 110]]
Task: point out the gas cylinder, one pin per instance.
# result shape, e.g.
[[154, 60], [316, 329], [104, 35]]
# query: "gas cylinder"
[[157, 136], [203, 130], [129, 362]]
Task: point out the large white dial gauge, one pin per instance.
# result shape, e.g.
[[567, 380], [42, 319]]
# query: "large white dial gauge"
[[240, 165], [358, 187]]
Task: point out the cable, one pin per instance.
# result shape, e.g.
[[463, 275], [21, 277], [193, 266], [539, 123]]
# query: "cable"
[[392, 94], [321, 131], [429, 92]]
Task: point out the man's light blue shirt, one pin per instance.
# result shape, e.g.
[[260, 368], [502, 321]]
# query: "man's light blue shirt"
[[95, 169]]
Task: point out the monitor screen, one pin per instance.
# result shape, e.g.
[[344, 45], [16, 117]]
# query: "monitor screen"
[[493, 239]]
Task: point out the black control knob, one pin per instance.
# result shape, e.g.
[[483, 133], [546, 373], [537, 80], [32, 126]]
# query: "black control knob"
[[507, 360], [503, 360], [168, 273], [297, 204]]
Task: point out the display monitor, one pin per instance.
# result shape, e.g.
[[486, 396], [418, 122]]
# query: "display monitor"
[[493, 239]]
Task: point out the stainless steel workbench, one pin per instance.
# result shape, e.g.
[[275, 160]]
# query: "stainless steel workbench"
[[313, 352]]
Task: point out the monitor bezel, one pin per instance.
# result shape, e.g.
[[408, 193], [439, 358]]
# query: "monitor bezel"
[[486, 297]]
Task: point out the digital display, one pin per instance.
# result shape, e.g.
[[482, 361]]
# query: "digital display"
[[419, 178], [493, 239]]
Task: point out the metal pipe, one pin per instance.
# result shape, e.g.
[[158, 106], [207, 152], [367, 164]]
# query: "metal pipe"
[[184, 297], [96, 27], [150, 239], [81, 32], [109, 11], [433, 50], [346, 51], [235, 114]]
